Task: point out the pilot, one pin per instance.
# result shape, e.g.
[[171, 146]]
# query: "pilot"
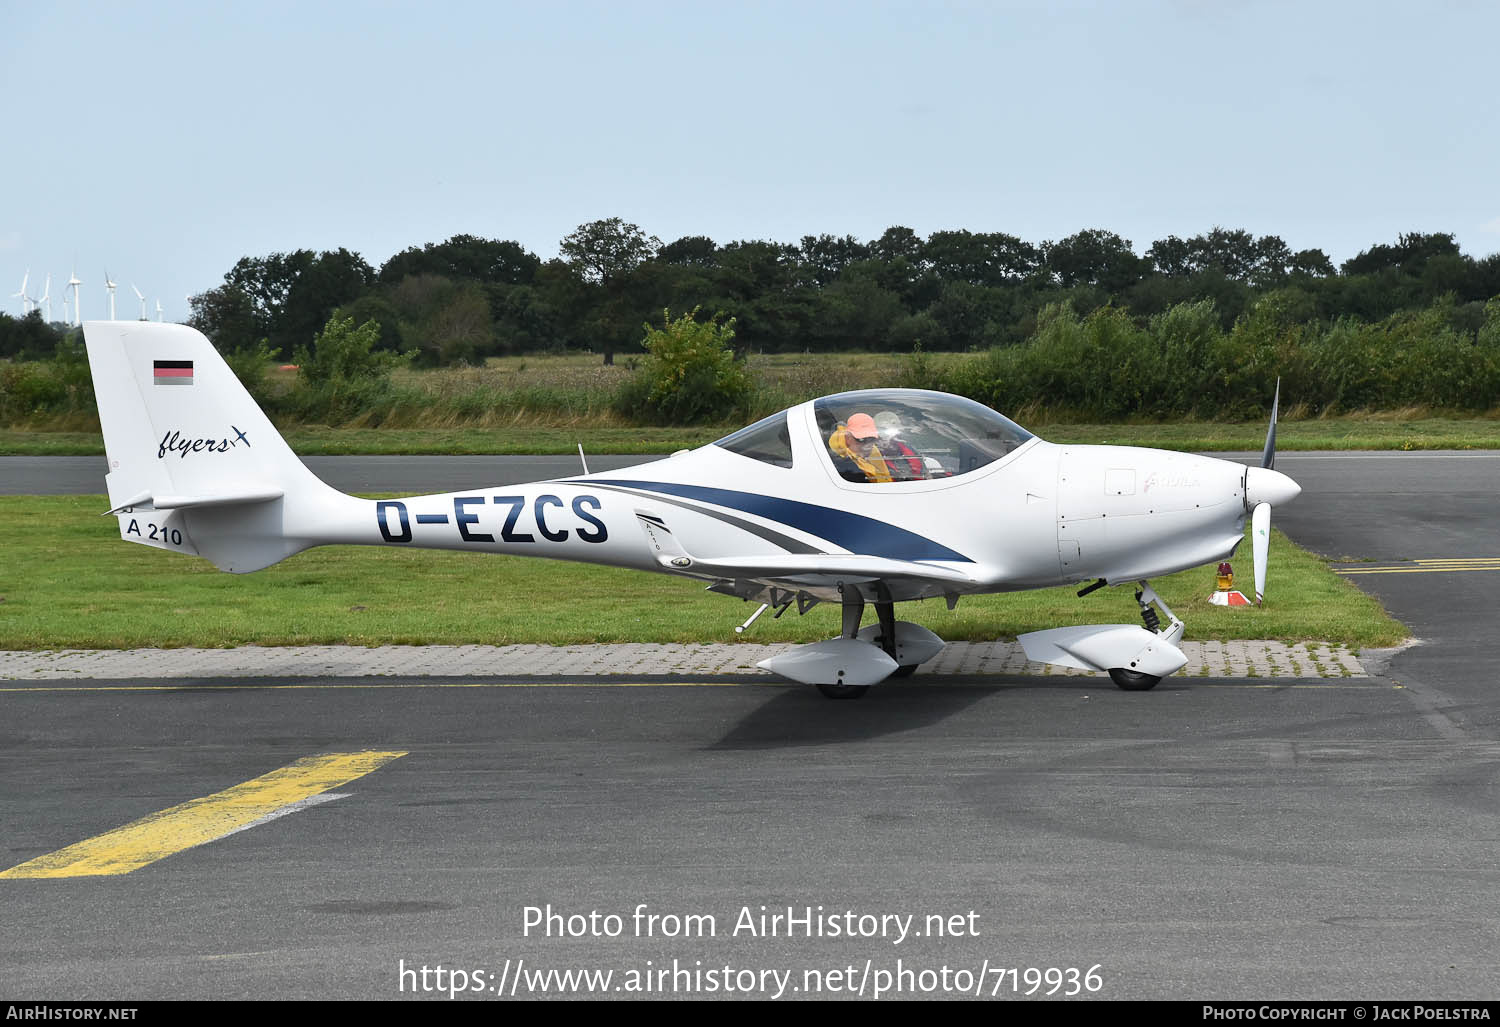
[[856, 450], [904, 462]]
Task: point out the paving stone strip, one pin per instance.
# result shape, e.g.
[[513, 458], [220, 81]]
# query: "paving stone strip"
[[1264, 659]]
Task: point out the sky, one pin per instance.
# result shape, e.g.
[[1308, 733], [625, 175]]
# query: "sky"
[[163, 141]]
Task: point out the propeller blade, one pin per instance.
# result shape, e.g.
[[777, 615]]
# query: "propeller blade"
[[1260, 540], [1268, 456]]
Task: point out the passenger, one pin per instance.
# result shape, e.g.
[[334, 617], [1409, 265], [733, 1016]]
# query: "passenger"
[[856, 450], [904, 462]]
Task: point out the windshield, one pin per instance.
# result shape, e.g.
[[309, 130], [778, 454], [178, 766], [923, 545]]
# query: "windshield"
[[886, 435]]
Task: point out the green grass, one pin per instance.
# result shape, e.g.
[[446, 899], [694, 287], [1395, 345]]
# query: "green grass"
[[1363, 432], [68, 581]]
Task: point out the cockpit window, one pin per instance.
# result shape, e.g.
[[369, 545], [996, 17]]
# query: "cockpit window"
[[885, 435], [766, 440]]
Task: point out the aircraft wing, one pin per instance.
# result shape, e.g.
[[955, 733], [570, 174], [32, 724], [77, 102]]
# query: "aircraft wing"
[[795, 568]]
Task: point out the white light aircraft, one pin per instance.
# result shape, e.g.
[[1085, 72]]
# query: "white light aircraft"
[[864, 498]]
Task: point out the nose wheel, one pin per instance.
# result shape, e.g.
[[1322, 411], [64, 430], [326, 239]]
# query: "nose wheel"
[[1132, 681]]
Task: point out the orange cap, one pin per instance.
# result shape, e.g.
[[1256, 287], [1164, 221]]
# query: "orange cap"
[[862, 426]]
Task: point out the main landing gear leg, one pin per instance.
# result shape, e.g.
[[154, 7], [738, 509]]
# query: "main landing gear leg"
[[887, 614], [886, 611], [854, 612]]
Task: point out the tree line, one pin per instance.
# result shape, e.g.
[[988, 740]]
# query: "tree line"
[[468, 298]]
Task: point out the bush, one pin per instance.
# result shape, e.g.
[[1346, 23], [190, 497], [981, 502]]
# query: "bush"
[[61, 385], [344, 375], [28, 389], [249, 364], [1489, 333], [689, 375], [1106, 367], [919, 371], [71, 366]]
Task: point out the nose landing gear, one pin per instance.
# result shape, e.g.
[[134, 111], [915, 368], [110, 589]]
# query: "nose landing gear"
[[1135, 658], [1133, 680]]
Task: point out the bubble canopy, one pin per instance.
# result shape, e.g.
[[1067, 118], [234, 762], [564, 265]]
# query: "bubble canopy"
[[919, 435]]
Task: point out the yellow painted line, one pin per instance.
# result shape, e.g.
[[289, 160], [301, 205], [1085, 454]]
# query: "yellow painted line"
[[199, 821], [952, 681], [1423, 564], [767, 683], [1419, 570], [1430, 565], [413, 684]]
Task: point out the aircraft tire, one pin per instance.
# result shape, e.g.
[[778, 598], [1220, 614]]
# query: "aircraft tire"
[[905, 671], [1133, 681], [843, 691]]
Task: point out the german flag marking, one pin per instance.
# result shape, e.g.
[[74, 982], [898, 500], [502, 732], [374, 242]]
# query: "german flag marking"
[[172, 372]]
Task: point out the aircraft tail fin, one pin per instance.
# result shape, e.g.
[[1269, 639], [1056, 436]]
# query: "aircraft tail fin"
[[194, 464]]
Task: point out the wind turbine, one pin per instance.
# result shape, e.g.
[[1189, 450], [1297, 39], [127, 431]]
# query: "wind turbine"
[[109, 287], [25, 300], [74, 283], [142, 298], [158, 309], [47, 298]]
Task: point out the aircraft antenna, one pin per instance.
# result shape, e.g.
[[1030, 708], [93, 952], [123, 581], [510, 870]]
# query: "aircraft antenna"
[[740, 629]]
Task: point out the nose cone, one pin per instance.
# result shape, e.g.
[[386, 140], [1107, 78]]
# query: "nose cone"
[[1265, 486]]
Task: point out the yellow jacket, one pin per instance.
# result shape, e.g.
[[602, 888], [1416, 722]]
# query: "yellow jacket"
[[874, 468]]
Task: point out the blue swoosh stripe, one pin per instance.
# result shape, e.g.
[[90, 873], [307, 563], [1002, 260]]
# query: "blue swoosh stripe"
[[854, 532]]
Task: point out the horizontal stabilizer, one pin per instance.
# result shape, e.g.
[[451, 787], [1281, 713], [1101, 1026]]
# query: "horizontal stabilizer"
[[147, 501]]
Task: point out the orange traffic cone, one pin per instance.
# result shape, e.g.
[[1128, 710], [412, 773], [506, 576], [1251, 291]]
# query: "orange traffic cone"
[[1225, 594]]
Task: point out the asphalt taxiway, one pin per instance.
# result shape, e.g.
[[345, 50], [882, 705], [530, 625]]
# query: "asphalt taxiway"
[[1214, 838]]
